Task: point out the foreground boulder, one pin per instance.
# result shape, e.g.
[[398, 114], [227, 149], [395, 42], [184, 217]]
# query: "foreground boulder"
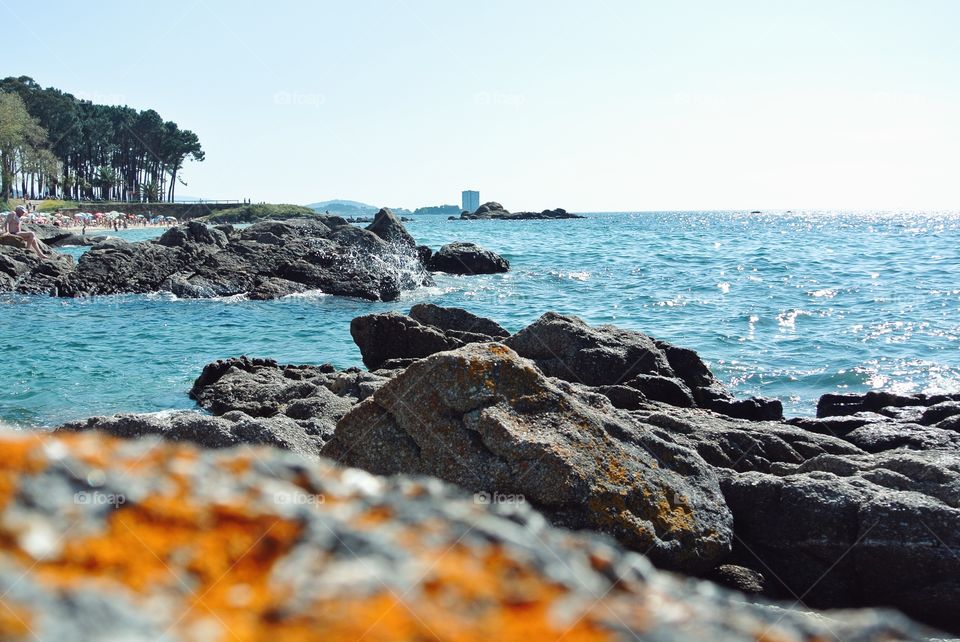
[[488, 420], [467, 258], [267, 260], [137, 540]]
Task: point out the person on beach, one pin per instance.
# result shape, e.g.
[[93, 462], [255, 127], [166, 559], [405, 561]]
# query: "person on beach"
[[13, 227]]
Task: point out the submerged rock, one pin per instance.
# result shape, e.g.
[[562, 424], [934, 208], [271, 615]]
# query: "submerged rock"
[[488, 420], [140, 540]]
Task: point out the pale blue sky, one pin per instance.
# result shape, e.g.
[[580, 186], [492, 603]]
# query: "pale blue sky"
[[601, 105]]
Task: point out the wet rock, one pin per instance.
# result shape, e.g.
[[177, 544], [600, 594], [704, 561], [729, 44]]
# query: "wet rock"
[[392, 335], [267, 260], [107, 539], [488, 420], [467, 258]]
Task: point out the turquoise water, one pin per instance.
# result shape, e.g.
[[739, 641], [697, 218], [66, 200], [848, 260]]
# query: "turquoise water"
[[784, 305]]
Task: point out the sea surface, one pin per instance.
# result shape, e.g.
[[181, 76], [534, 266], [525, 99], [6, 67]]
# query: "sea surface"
[[788, 305]]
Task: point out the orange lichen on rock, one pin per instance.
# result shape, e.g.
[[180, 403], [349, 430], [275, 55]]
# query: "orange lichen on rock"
[[465, 597], [19, 455], [14, 621]]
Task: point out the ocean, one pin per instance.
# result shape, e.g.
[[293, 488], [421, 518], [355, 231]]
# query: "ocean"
[[786, 305]]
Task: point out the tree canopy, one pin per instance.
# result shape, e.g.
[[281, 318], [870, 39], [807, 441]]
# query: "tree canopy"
[[53, 144]]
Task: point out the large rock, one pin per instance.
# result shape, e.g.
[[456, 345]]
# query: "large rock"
[[488, 420], [108, 539], [313, 397], [467, 258], [266, 260], [386, 225], [427, 330], [567, 348], [23, 271], [849, 530]]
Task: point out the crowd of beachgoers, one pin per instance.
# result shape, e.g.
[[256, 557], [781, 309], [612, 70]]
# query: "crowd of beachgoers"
[[105, 220]]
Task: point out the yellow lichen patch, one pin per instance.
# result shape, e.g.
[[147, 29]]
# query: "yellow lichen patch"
[[677, 515]]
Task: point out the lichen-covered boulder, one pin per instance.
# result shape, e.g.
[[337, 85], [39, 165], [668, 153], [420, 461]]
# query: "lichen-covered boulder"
[[488, 420], [106, 539]]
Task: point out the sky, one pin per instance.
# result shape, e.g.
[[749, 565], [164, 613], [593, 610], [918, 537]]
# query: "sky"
[[591, 106]]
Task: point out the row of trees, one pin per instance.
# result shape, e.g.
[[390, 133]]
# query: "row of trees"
[[55, 145]]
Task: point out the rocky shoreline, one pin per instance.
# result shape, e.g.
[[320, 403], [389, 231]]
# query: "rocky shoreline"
[[267, 260], [628, 440]]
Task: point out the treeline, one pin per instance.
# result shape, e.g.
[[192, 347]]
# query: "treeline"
[[55, 145]]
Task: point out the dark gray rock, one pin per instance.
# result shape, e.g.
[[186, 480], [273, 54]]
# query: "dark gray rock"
[[314, 397], [737, 444], [386, 225], [457, 320], [848, 530], [23, 271], [467, 258], [488, 420], [567, 348], [267, 260], [393, 337]]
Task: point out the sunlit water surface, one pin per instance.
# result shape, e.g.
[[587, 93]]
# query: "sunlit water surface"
[[783, 305]]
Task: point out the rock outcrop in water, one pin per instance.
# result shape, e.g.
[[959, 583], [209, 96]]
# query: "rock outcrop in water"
[[107, 539], [496, 211], [467, 258], [857, 507], [267, 260]]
